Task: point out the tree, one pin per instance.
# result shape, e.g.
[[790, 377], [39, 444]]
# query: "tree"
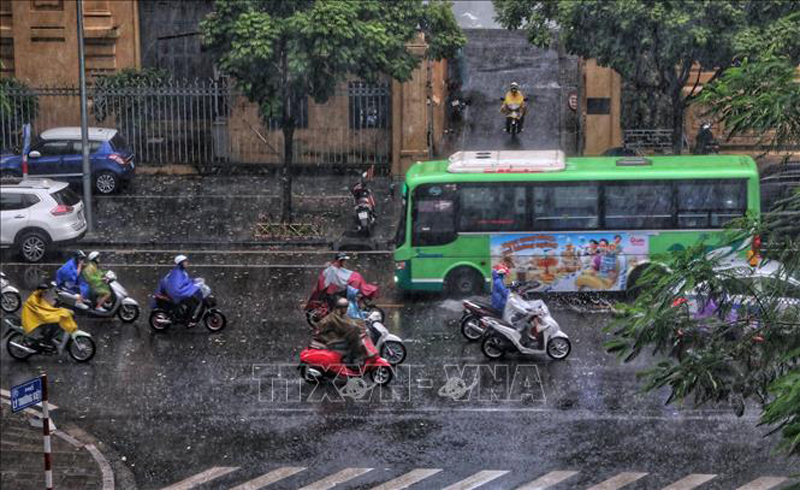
[[761, 94], [652, 44], [278, 51]]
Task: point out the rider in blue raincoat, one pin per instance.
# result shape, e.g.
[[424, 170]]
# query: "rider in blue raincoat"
[[354, 310], [69, 276], [181, 288], [499, 289]]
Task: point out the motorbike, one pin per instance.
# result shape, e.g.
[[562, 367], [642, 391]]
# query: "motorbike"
[[527, 328], [318, 364], [10, 300], [326, 293], [474, 309], [363, 206], [513, 114], [119, 304], [390, 346], [79, 344], [166, 313], [705, 143]]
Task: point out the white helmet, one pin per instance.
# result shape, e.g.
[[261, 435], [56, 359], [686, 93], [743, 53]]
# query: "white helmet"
[[514, 85], [94, 255], [180, 258]]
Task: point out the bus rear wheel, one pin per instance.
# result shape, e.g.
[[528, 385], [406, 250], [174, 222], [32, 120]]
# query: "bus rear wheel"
[[464, 281]]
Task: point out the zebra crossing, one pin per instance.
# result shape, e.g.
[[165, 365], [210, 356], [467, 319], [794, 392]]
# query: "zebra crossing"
[[347, 477]]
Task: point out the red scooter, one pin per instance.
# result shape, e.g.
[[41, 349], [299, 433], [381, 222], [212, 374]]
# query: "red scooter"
[[318, 364]]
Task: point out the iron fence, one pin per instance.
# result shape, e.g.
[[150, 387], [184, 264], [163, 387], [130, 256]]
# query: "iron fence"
[[205, 123], [649, 140]]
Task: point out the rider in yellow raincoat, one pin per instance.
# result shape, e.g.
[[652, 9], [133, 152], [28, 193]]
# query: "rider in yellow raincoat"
[[38, 310], [514, 97]]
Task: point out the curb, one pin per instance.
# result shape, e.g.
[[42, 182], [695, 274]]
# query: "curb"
[[205, 244], [116, 474]]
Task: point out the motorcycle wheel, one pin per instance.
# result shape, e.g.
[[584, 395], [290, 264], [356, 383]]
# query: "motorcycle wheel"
[[394, 352], [128, 313], [558, 348], [471, 328], [492, 347], [159, 320], [82, 349], [381, 375], [10, 301], [16, 353], [303, 370], [215, 320]]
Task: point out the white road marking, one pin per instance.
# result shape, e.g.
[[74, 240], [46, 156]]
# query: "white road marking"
[[476, 480], [269, 478], [345, 475], [201, 478], [410, 478], [50, 405], [548, 480], [618, 481], [688, 483], [763, 483]]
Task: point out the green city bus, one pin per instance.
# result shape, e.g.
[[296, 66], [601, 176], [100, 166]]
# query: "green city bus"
[[568, 224]]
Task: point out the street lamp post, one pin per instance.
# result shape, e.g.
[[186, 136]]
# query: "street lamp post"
[[87, 170]]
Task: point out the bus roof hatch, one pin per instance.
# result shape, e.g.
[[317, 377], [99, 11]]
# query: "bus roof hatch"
[[507, 161]]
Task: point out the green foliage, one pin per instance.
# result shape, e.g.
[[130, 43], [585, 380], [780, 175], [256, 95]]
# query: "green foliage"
[[111, 94], [278, 51], [131, 78], [274, 49], [18, 103], [652, 44], [745, 346]]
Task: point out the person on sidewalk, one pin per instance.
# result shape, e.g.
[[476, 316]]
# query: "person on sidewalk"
[[94, 277], [183, 290], [514, 97], [40, 319]]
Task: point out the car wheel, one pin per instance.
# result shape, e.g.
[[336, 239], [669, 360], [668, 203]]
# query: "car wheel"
[[33, 245], [106, 182]]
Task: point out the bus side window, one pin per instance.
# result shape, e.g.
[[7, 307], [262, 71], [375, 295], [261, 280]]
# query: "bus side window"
[[710, 203], [433, 216]]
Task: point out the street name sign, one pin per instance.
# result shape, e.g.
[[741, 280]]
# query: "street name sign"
[[26, 394]]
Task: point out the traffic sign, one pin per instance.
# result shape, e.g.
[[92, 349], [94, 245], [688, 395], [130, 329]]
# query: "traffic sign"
[[26, 394]]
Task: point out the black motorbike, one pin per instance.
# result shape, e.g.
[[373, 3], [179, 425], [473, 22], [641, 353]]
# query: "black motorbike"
[[21, 346], [363, 206], [167, 313]]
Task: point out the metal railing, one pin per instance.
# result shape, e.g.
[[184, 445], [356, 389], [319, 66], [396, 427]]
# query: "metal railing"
[[206, 123], [649, 140]]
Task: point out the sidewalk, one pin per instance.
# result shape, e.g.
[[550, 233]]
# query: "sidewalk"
[[22, 459], [224, 209]]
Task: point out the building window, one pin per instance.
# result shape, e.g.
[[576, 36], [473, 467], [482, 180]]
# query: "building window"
[[369, 105]]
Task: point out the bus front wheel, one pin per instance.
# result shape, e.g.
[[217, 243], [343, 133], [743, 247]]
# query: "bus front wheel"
[[464, 281]]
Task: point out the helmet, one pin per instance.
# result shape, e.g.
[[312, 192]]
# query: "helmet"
[[79, 255], [514, 86], [342, 303], [342, 256], [180, 258], [502, 269], [43, 285], [94, 255]]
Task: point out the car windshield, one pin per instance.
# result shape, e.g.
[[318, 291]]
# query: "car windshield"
[[66, 197], [119, 143]]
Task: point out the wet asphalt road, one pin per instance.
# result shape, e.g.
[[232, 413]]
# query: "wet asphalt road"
[[185, 401]]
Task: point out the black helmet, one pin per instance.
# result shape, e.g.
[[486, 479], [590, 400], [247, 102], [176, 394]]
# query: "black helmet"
[[46, 285], [79, 255], [342, 256]]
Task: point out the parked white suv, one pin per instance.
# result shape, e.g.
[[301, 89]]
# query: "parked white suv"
[[35, 213]]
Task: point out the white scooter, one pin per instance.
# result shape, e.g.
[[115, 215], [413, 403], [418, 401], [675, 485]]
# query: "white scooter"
[[528, 328], [121, 305], [10, 300], [390, 346]]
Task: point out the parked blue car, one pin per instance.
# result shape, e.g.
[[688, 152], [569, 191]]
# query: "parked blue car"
[[57, 153]]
